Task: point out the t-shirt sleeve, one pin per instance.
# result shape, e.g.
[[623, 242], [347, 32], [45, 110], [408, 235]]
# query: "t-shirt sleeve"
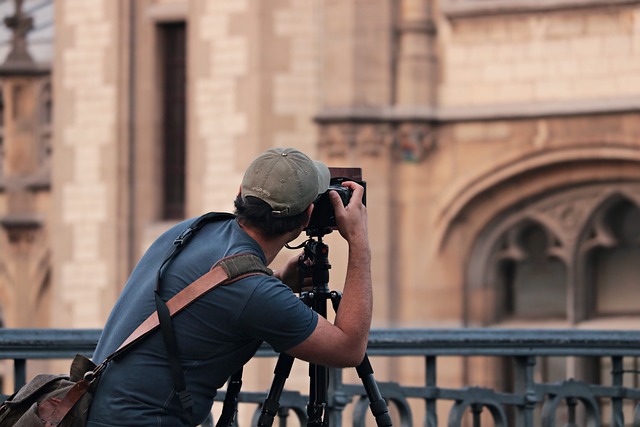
[[274, 314]]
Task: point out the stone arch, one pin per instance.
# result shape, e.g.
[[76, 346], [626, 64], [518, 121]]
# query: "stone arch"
[[557, 190], [598, 235], [531, 250], [622, 160]]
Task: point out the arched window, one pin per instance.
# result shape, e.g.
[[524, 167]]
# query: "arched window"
[[612, 259], [531, 278], [563, 258]]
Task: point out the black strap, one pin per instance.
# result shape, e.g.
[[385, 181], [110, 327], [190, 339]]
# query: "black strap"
[[186, 235], [230, 406], [171, 345], [166, 324]]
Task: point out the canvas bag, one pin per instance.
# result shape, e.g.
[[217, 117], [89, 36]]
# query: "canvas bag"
[[64, 400]]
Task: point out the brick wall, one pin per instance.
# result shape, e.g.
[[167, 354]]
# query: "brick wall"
[[85, 133], [540, 57]]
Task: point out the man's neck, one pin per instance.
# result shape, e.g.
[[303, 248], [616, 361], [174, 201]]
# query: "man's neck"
[[270, 246]]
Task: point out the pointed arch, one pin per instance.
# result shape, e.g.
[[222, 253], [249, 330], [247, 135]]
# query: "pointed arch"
[[540, 173], [606, 257]]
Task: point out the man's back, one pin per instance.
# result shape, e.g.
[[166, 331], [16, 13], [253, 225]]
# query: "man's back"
[[216, 335]]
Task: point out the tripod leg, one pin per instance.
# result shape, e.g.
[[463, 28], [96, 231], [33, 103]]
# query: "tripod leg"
[[378, 405], [272, 403], [365, 371], [318, 385]]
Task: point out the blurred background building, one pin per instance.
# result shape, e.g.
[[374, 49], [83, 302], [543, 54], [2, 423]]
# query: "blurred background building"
[[500, 142]]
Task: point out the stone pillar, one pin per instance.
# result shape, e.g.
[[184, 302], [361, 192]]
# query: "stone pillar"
[[356, 70], [416, 79], [356, 84], [21, 179], [90, 210]]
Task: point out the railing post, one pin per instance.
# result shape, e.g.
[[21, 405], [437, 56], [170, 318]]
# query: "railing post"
[[571, 411], [617, 372], [19, 373], [337, 399], [476, 409], [525, 386], [432, 416]]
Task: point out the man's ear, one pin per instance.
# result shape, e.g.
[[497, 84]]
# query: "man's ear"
[[240, 190]]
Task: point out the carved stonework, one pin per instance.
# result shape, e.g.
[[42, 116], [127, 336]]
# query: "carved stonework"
[[336, 140], [21, 229], [574, 221], [571, 210], [408, 141], [414, 141], [368, 139]]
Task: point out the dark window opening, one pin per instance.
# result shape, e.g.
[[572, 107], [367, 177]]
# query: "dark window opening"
[[532, 280], [613, 266], [174, 64]]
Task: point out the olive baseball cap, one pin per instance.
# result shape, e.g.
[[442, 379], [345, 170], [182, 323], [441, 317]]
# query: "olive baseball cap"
[[286, 179]]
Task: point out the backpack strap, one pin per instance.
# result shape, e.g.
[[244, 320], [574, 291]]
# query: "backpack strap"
[[239, 266]]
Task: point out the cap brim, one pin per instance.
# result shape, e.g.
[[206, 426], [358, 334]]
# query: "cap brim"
[[324, 176]]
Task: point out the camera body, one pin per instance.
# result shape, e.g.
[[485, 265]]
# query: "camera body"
[[323, 218]]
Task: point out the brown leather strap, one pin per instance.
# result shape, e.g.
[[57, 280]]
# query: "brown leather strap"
[[229, 269], [179, 302], [53, 410]]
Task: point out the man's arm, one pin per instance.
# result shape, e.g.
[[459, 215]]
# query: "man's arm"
[[344, 343]]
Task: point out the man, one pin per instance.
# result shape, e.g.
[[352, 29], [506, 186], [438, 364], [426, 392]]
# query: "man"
[[222, 330]]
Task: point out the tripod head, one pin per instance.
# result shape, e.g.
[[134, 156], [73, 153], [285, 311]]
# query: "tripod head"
[[314, 263]]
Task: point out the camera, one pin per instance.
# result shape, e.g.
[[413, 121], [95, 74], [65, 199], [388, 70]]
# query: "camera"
[[323, 219]]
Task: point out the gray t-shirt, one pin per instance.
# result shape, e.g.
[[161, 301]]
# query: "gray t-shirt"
[[216, 335]]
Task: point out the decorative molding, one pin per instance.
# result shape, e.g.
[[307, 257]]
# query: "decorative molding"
[[440, 115], [370, 139], [168, 12], [407, 141], [571, 209], [414, 141], [418, 26], [576, 107], [476, 8], [21, 228], [376, 114]]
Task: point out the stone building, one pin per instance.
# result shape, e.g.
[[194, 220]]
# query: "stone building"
[[500, 142]]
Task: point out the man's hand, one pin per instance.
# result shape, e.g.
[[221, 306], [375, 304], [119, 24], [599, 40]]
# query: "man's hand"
[[293, 275], [344, 342], [351, 219]]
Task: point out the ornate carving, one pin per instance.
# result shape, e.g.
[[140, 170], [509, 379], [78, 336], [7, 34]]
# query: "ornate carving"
[[21, 229], [408, 141], [372, 139], [20, 25], [571, 209], [414, 141], [369, 139], [336, 139]]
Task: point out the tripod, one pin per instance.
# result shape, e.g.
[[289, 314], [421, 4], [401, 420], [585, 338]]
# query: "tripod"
[[317, 253]]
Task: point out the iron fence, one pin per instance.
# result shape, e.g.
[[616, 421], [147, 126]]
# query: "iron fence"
[[528, 402]]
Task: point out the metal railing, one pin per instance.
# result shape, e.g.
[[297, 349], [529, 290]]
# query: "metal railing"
[[528, 402]]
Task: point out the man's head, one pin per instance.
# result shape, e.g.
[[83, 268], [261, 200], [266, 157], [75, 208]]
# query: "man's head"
[[277, 189]]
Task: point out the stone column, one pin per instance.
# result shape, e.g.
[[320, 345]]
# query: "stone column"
[[356, 88], [416, 79], [26, 276], [90, 199]]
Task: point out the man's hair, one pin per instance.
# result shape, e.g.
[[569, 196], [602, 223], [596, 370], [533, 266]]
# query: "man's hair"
[[258, 214]]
